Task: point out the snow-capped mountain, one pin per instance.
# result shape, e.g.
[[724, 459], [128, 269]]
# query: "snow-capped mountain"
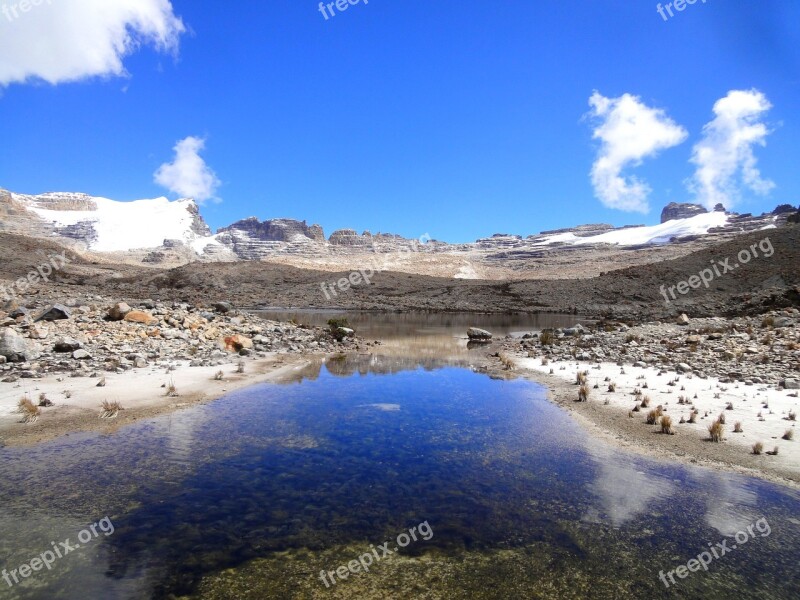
[[110, 226], [156, 231]]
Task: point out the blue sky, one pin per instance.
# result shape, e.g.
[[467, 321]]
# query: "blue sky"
[[455, 119]]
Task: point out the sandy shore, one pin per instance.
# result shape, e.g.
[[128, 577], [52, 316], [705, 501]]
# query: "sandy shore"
[[690, 443], [142, 393]]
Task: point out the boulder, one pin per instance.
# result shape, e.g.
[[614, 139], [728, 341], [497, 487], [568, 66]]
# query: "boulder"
[[139, 316], [235, 343], [55, 312], [475, 334], [67, 344], [223, 307], [118, 311], [790, 384], [81, 355], [16, 348], [683, 320]]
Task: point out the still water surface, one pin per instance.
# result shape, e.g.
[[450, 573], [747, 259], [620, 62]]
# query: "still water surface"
[[253, 495]]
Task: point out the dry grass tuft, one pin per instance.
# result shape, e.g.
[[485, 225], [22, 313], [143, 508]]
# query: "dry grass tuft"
[[612, 387], [110, 409], [788, 435], [102, 382], [505, 360], [666, 424], [218, 376], [240, 367], [583, 393], [792, 416], [693, 417], [30, 412], [646, 402], [737, 427], [721, 418], [653, 416], [172, 391], [758, 448], [44, 400], [546, 338], [715, 431]]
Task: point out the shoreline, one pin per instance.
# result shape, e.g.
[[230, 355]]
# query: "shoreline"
[[689, 445], [140, 392]]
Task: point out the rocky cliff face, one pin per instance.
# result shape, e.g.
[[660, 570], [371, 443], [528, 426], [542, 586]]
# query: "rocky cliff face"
[[678, 210]]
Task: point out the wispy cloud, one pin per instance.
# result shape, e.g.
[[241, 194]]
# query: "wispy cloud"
[[629, 132], [69, 40], [188, 175], [724, 156]]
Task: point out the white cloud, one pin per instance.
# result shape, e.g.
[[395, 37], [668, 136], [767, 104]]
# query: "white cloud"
[[188, 175], [724, 157], [69, 40], [629, 131]]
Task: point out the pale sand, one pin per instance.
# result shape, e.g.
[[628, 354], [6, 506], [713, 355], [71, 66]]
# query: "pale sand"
[[736, 449], [139, 392]]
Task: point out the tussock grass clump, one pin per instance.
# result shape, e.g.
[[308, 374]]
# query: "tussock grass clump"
[[758, 448], [581, 377], [545, 361], [546, 338], [583, 393], [715, 431], [67, 394], [729, 406], [774, 452], [666, 425], [693, 417], [654, 415], [102, 382], [110, 409], [30, 412], [646, 402], [505, 360], [219, 376], [240, 367], [172, 391], [44, 400], [792, 416], [612, 387], [788, 435], [721, 418], [737, 427], [636, 408]]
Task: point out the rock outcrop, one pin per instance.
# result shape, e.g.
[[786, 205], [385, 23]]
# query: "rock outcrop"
[[678, 210]]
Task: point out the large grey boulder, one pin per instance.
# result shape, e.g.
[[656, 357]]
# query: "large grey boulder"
[[476, 334], [17, 348]]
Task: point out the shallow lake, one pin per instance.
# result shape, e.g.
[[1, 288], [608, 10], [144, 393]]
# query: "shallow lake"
[[257, 494]]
